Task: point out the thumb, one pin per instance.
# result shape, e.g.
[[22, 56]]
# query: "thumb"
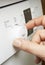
[[23, 44]]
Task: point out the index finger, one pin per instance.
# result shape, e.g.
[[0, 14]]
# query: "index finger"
[[36, 22]]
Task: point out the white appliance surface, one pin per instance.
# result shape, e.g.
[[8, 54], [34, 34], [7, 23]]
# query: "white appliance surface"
[[11, 27], [15, 13], [6, 2]]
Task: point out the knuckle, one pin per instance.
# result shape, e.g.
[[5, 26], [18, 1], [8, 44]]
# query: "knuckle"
[[36, 37], [43, 16], [38, 31]]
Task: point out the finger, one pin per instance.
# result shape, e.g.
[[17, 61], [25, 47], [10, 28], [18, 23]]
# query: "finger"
[[36, 22], [39, 36], [37, 60], [23, 44]]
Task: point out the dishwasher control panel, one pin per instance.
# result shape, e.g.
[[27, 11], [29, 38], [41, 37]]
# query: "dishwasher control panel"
[[12, 26]]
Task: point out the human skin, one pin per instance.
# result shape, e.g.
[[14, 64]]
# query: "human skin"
[[37, 45]]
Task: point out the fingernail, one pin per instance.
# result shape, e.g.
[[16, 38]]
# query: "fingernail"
[[16, 43]]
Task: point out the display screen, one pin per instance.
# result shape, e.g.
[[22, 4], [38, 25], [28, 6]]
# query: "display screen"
[[27, 15]]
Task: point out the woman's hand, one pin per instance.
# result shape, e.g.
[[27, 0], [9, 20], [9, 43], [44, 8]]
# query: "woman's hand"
[[36, 46]]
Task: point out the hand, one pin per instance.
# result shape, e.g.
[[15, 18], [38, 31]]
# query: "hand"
[[35, 46], [39, 38]]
